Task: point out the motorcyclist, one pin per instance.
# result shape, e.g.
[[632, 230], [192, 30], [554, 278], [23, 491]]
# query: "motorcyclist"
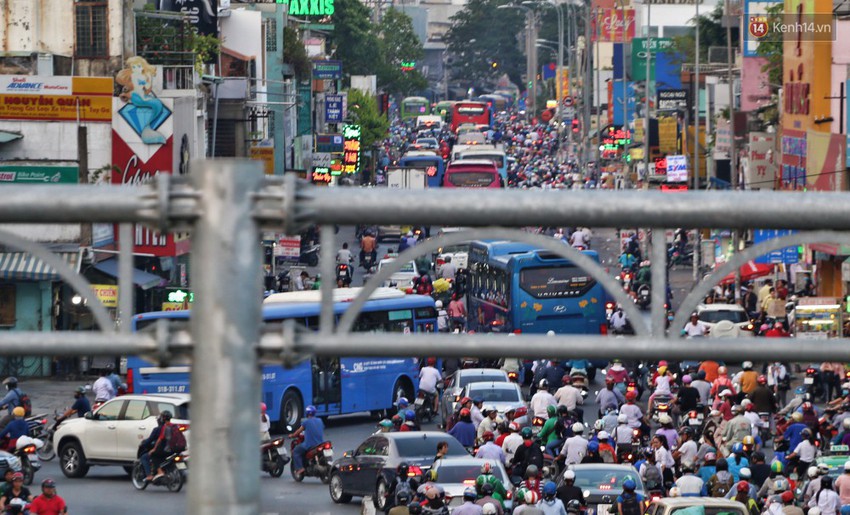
[[775, 483], [569, 492], [575, 447], [16, 491], [48, 503], [764, 400], [570, 397], [551, 505], [343, 255], [163, 445], [489, 450], [15, 429], [402, 482], [541, 400], [422, 284], [487, 478], [527, 455], [410, 423], [737, 428], [146, 446], [12, 399], [469, 507], [464, 429], [643, 275], [81, 404], [490, 505], [314, 434], [368, 246]]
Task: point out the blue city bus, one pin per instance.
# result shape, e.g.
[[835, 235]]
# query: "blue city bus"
[[432, 163], [336, 386], [516, 287]]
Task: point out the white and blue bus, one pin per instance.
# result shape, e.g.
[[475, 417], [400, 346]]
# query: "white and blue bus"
[[335, 385]]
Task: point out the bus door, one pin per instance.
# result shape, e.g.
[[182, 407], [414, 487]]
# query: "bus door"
[[327, 385]]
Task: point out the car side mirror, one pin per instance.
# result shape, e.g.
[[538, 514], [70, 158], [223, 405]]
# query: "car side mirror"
[[90, 416]]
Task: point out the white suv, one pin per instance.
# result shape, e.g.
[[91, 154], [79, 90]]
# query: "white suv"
[[725, 320], [110, 435]]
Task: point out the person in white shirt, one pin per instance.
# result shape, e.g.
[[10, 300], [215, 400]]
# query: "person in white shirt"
[[511, 442], [542, 400], [343, 255], [805, 451], [578, 239], [575, 447], [102, 388], [689, 485], [300, 281], [695, 328], [826, 499], [619, 320], [448, 270], [569, 396], [687, 450], [429, 377]]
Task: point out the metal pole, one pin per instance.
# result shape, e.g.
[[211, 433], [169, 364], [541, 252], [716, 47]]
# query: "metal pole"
[[597, 101], [648, 43], [733, 157], [226, 318], [587, 83], [697, 244], [559, 83], [533, 60], [126, 288], [215, 124]]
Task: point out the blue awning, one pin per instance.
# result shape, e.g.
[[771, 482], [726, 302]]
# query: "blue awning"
[[20, 266], [142, 279]]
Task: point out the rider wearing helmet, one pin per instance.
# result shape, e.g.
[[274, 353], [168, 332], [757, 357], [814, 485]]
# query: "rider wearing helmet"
[[737, 460], [402, 403], [15, 429], [541, 400], [489, 450], [81, 404], [488, 484], [464, 429], [568, 492], [469, 507], [410, 423], [12, 399], [548, 434], [314, 434], [401, 483], [776, 483], [570, 396], [550, 503], [747, 379], [575, 447], [527, 455], [429, 378], [163, 446], [762, 396], [629, 501]]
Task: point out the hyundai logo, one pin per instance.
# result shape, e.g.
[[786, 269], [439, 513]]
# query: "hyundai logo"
[[559, 309]]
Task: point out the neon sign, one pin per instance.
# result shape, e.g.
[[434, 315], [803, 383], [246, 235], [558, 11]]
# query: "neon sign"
[[351, 148]]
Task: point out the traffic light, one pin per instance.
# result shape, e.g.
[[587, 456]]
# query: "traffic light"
[[576, 125]]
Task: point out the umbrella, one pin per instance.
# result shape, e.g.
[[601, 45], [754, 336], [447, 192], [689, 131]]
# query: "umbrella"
[[750, 271]]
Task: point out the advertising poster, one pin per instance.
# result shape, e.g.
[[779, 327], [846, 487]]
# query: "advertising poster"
[[52, 99]]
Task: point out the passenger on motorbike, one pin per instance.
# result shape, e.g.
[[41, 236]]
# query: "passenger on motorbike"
[[17, 491], [527, 455], [314, 434], [487, 478], [489, 450], [163, 447], [17, 428], [662, 387], [410, 423], [464, 429], [609, 398], [570, 397], [429, 378], [541, 400], [619, 323], [491, 423]]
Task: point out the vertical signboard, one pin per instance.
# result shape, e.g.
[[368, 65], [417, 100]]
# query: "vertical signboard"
[[351, 148]]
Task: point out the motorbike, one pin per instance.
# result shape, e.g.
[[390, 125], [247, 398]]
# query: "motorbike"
[[764, 432], [16, 506], [695, 419], [174, 466], [26, 449], [424, 406], [317, 460], [813, 383], [644, 296], [537, 424], [343, 275], [310, 253], [677, 257], [579, 380], [660, 404], [367, 259], [626, 277], [273, 461], [609, 310], [41, 429]]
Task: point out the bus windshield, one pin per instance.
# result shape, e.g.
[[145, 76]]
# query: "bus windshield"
[[471, 179]]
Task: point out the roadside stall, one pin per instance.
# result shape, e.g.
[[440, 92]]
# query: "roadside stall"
[[818, 318]]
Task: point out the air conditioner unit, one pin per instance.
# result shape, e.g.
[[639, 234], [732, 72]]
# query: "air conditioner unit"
[[44, 65]]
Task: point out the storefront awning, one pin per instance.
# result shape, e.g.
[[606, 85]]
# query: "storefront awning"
[[20, 266], [141, 278], [7, 136]]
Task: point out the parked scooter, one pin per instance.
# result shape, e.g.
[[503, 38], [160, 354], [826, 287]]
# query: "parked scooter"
[[273, 461]]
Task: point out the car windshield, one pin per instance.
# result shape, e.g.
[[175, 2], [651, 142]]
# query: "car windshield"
[[460, 473], [490, 394], [605, 479], [712, 316], [706, 510], [494, 378], [408, 267], [424, 447], [454, 249]]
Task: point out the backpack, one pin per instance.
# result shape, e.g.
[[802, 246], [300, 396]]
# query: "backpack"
[[178, 439], [403, 486], [631, 506], [720, 487], [25, 401], [652, 476]]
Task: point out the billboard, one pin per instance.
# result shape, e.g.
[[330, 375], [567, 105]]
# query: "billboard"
[[760, 173], [611, 25], [51, 99], [202, 14]]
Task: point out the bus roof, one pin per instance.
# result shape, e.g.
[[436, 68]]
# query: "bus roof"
[[414, 99], [339, 295], [421, 155], [468, 163]]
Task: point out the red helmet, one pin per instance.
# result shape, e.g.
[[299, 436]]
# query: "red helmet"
[[488, 436], [566, 379], [465, 400], [749, 407], [762, 379], [263, 407], [431, 362], [631, 395], [465, 413]]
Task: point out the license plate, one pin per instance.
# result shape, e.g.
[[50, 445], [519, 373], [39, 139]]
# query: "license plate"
[[180, 465], [809, 380], [694, 422], [329, 453], [603, 509], [419, 401]]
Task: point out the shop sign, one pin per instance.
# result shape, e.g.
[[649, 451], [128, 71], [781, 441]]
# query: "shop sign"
[[327, 69], [27, 174], [107, 294], [264, 154], [677, 169], [612, 25], [37, 98], [334, 108], [173, 306], [787, 255], [351, 148]]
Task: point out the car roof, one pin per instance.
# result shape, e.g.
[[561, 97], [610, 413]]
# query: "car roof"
[[601, 466], [481, 371], [409, 435], [719, 307], [675, 502], [467, 460]]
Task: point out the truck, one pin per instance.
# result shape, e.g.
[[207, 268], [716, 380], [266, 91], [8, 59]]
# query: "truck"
[[407, 178]]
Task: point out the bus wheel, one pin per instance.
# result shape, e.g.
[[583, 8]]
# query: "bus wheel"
[[291, 408]]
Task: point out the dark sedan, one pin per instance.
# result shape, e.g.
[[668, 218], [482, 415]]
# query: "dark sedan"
[[602, 483], [371, 468]]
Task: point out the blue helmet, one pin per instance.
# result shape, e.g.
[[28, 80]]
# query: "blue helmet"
[[409, 415], [800, 390], [593, 446], [549, 488], [470, 493], [738, 448], [403, 402], [845, 510], [310, 411], [629, 485]]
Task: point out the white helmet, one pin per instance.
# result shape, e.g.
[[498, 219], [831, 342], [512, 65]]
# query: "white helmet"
[[747, 365], [550, 333], [846, 423], [569, 475], [438, 304], [622, 418], [812, 472], [578, 428], [745, 403], [665, 419], [603, 435], [599, 425]]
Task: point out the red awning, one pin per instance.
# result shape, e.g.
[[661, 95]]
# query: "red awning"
[[749, 272]]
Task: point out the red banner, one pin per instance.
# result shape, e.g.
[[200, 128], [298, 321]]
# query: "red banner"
[[609, 25]]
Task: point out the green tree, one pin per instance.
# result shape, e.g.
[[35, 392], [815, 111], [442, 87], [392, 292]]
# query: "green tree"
[[712, 33], [482, 35], [770, 47], [354, 39], [398, 43], [363, 111], [295, 54]]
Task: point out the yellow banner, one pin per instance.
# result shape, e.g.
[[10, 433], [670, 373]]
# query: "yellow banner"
[[668, 141], [173, 306], [107, 294], [264, 154], [90, 100]]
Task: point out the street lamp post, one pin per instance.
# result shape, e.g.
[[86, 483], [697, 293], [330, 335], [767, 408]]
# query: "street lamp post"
[[530, 53]]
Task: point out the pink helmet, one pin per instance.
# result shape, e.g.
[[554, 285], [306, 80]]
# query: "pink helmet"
[[263, 407], [686, 379]]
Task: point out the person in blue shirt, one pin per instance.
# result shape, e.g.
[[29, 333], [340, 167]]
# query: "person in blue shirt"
[[12, 399], [113, 378], [793, 433], [629, 500], [81, 404], [464, 430], [737, 461], [16, 428], [314, 434]]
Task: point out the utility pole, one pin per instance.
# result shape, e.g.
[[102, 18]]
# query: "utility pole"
[[733, 154], [587, 83], [648, 43], [697, 234]]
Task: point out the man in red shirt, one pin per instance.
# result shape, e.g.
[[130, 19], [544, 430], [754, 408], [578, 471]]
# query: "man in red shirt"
[[48, 503]]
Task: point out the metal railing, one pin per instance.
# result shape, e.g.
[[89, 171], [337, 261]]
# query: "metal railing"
[[227, 203]]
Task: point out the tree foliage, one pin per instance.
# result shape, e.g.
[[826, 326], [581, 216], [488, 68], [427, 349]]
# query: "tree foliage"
[[353, 38], [363, 111], [295, 54], [481, 35], [712, 33], [770, 47], [397, 42]]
